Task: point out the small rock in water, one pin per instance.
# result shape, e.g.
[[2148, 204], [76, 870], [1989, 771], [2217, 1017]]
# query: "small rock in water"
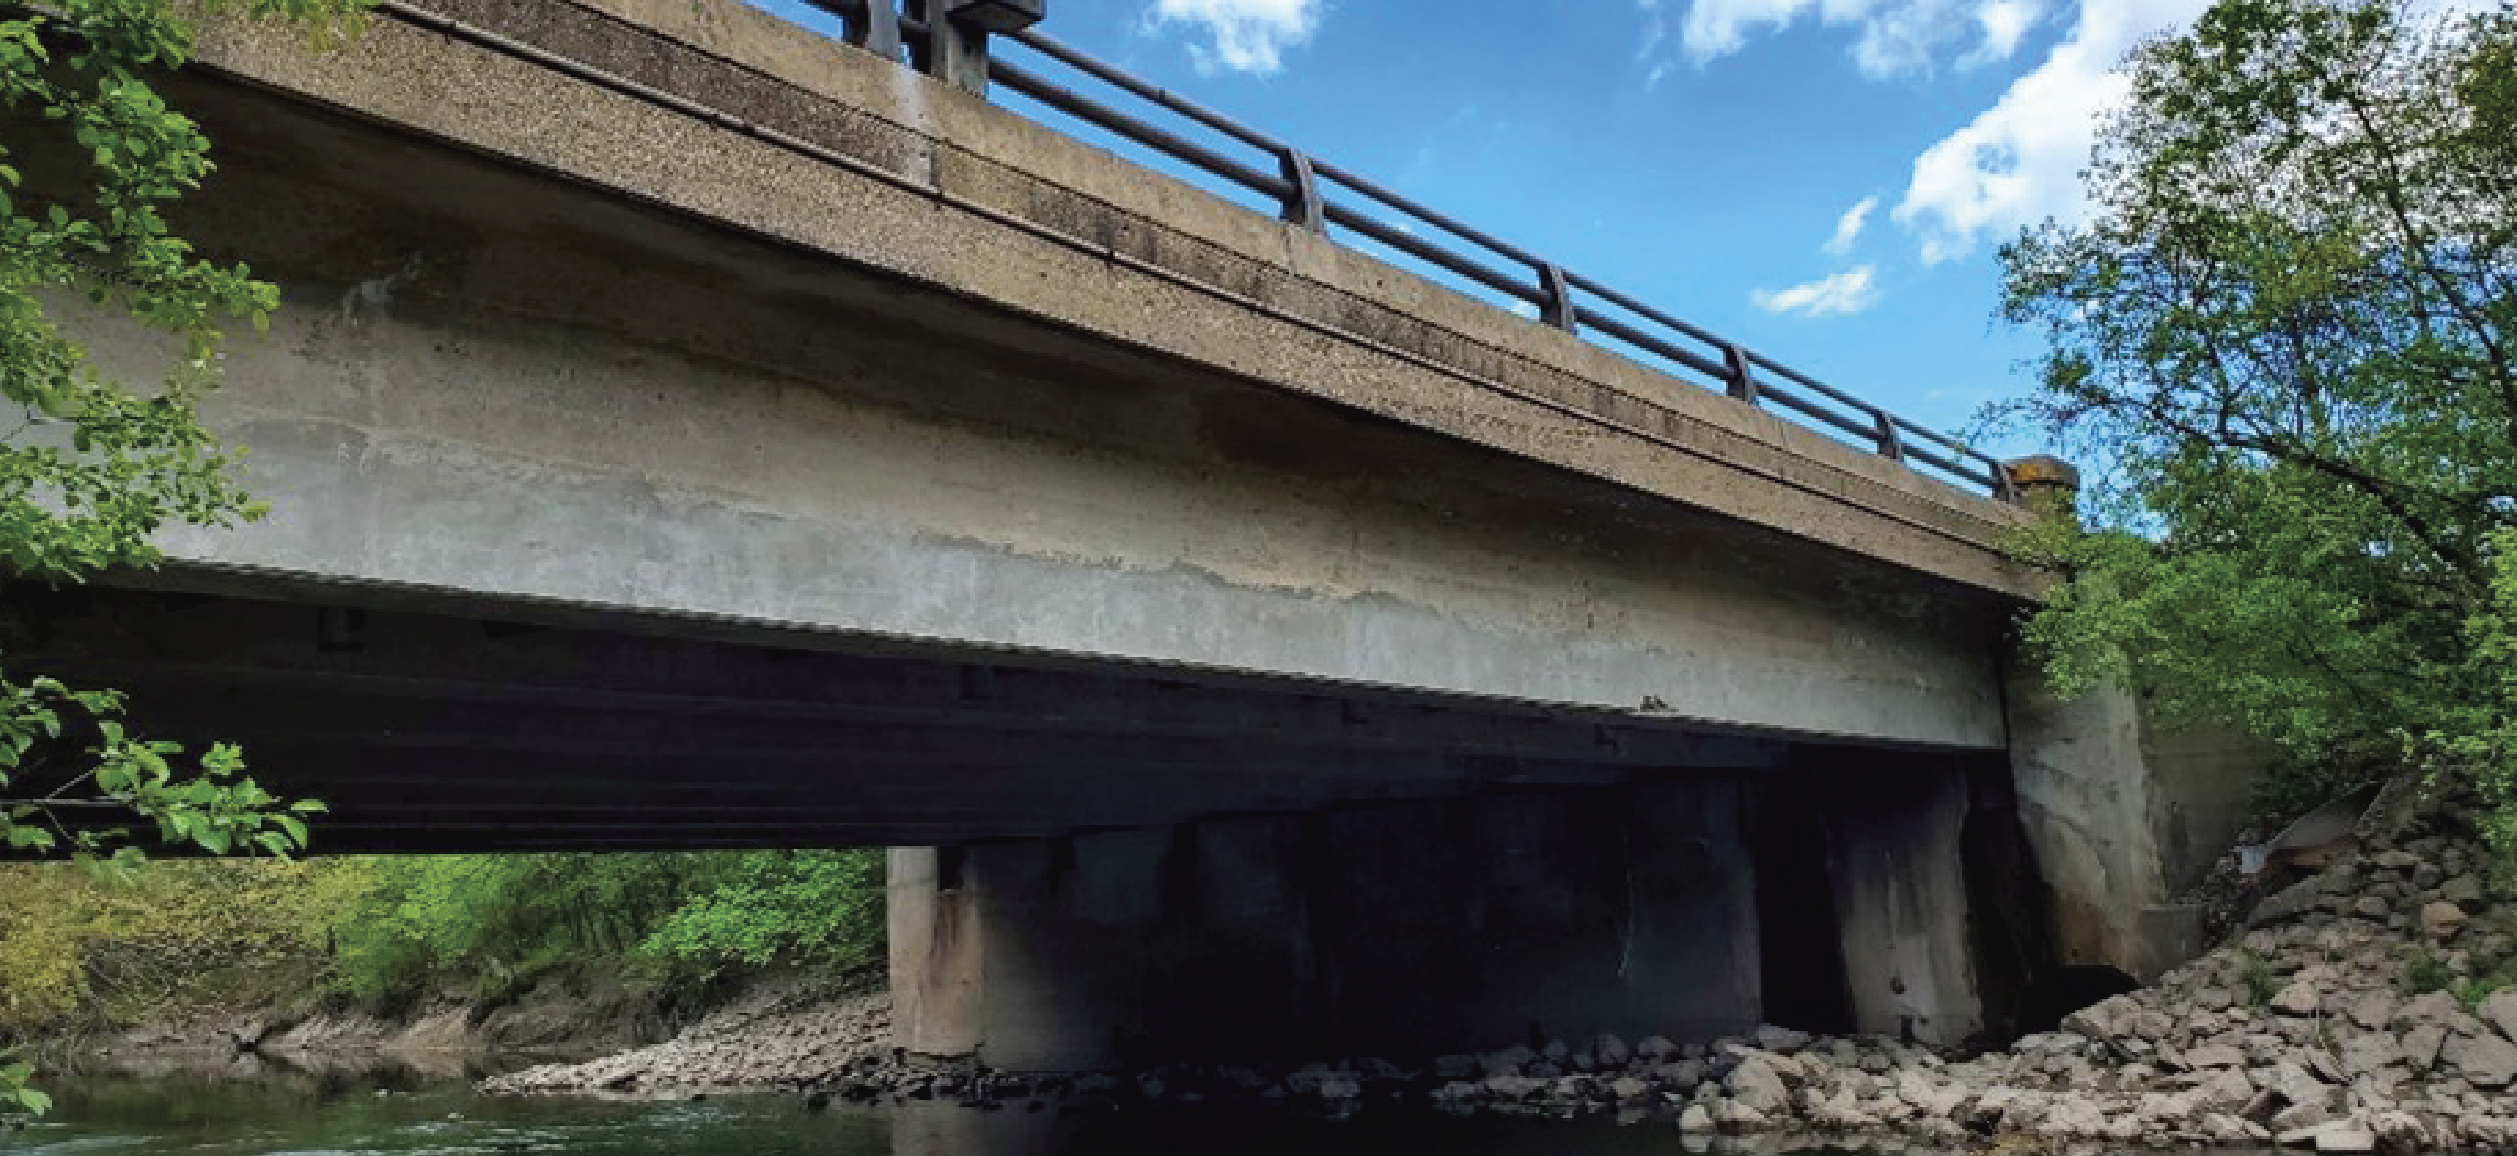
[[1733, 1116]]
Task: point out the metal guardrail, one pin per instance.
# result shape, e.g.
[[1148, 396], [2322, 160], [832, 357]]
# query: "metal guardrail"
[[956, 51]]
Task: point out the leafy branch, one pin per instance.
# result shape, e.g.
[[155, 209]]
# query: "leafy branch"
[[91, 157]]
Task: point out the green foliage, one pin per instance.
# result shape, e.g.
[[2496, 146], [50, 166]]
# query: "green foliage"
[[17, 1087], [824, 907], [2425, 972], [2257, 976], [2289, 339], [114, 942], [492, 917], [88, 949], [91, 159], [494, 921], [2482, 736]]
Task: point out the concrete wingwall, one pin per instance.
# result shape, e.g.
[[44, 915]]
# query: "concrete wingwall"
[[2124, 816]]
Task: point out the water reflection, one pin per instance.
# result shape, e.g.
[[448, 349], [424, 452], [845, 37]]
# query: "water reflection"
[[219, 1108]]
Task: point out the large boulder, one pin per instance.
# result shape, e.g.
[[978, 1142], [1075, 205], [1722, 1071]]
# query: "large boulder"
[[2485, 1061], [1507, 1062], [2500, 1011], [2300, 998], [1696, 1120], [2341, 1137], [1755, 1084], [2441, 919], [1782, 1040], [2214, 1055], [2103, 1020], [2421, 1046], [2373, 1009], [2072, 1117]]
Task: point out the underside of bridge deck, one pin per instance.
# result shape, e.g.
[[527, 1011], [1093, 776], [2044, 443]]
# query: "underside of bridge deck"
[[430, 727]]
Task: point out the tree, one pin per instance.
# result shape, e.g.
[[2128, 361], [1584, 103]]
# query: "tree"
[[91, 158], [2289, 337]]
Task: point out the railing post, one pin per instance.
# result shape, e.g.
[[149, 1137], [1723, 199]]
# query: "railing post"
[[1891, 446], [953, 54], [1558, 311], [877, 28], [1302, 192], [873, 25], [956, 49], [1743, 374]]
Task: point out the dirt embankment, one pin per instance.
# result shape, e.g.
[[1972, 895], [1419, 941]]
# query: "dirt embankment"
[[562, 1015]]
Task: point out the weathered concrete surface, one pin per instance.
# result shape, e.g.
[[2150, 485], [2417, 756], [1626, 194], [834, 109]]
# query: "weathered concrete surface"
[[2123, 817], [1896, 855], [508, 387], [1393, 929], [950, 193]]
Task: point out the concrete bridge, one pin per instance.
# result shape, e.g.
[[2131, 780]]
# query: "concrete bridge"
[[687, 431]]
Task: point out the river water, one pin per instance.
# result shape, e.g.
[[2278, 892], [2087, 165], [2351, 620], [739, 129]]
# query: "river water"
[[287, 1111]]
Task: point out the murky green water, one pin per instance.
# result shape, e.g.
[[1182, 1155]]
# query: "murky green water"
[[274, 1111]]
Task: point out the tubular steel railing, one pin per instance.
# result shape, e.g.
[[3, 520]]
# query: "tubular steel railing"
[[1299, 184]]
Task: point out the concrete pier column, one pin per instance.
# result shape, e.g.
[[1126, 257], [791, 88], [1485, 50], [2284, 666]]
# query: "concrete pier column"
[[933, 935], [1896, 854]]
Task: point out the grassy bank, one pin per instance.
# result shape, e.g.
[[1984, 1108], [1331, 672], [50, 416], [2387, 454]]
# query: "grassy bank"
[[91, 950]]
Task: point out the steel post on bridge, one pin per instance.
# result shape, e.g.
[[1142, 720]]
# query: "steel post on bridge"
[[953, 49]]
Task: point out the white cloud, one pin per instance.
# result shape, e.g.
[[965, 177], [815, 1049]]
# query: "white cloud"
[[1894, 36], [2004, 23], [1850, 291], [2019, 161], [1648, 49], [1243, 35], [1849, 226]]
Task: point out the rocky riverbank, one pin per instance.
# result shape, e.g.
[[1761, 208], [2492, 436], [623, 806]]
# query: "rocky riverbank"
[[789, 1033], [2353, 1013]]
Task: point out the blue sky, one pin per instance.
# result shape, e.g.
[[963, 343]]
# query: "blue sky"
[[1822, 180]]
